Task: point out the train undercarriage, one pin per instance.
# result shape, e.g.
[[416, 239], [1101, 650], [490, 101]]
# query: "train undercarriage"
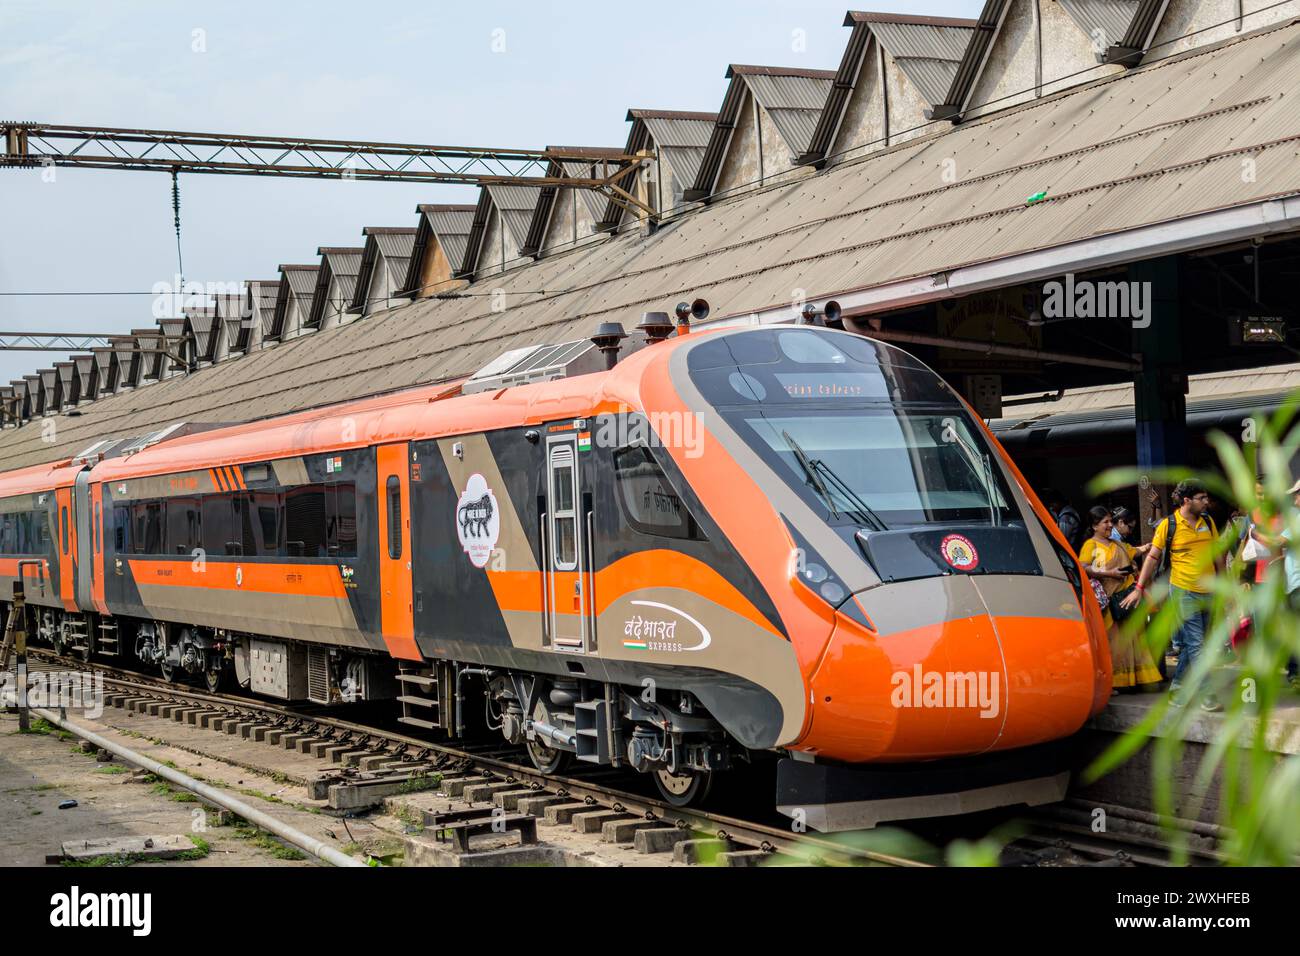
[[559, 721]]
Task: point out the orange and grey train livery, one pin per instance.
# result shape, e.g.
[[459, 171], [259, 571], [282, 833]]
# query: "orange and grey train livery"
[[782, 540]]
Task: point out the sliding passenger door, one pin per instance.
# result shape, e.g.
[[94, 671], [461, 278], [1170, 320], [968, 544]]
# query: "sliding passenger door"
[[65, 544], [396, 551], [566, 528], [86, 566]]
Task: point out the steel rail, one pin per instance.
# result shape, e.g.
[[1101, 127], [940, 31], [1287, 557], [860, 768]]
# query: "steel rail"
[[317, 848], [803, 846]]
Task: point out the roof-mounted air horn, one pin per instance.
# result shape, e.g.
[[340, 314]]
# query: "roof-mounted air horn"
[[829, 314], [697, 310]]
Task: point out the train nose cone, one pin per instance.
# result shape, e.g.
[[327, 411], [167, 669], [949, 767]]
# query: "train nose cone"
[[945, 675]]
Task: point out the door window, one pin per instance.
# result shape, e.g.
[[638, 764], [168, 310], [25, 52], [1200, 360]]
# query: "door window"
[[564, 516]]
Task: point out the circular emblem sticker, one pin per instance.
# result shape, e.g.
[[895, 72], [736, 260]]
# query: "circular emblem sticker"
[[959, 552], [478, 520]]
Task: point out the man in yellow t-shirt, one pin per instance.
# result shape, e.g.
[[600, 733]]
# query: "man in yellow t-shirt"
[[1192, 565]]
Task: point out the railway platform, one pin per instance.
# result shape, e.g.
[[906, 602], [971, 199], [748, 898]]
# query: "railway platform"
[[1131, 783]]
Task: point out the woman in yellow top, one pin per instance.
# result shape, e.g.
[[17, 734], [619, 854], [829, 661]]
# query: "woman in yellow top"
[[1110, 563]]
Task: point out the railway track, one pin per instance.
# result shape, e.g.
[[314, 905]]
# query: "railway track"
[[369, 764]]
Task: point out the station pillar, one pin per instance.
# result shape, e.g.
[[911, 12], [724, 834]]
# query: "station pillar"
[[1160, 387]]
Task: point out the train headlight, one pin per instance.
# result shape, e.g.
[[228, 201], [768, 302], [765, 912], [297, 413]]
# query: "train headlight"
[[833, 592], [814, 573]]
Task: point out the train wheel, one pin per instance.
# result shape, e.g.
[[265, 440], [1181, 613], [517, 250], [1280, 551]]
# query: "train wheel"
[[688, 789], [214, 677], [546, 758], [168, 671]]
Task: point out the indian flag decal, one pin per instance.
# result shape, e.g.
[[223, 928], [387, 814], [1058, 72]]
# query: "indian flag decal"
[[584, 441], [635, 645]]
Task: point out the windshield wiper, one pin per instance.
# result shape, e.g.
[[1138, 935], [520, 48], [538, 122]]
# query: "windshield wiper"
[[816, 470], [864, 512], [814, 478], [986, 476]]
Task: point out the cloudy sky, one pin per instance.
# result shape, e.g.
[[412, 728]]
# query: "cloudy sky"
[[428, 72]]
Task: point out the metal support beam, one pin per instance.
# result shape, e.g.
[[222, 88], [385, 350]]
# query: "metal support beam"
[[54, 341], [989, 348], [171, 151]]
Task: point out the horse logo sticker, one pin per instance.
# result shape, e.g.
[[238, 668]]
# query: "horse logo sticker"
[[478, 520]]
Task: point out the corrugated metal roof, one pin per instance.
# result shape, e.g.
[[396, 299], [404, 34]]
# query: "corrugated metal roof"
[[1110, 17], [451, 225], [675, 131], [927, 54], [684, 161], [792, 98], [793, 102], [515, 204], [396, 244], [302, 282], [903, 40], [1125, 152], [682, 138]]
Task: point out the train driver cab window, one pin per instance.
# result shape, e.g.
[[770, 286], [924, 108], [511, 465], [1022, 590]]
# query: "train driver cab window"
[[650, 503], [564, 514], [394, 492]]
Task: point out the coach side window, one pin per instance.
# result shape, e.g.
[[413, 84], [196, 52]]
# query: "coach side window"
[[183, 526], [148, 527], [270, 517], [394, 489], [341, 520], [121, 528], [304, 521], [651, 505], [219, 526]]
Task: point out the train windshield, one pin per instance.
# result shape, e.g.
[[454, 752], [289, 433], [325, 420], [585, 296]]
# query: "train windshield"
[[882, 469], [862, 430]]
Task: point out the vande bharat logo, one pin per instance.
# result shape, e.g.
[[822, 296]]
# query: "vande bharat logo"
[[478, 520], [959, 551], [651, 634]]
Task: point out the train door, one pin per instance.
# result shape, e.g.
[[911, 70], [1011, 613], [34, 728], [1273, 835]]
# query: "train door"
[[65, 543], [97, 530], [568, 589], [396, 550], [87, 568]]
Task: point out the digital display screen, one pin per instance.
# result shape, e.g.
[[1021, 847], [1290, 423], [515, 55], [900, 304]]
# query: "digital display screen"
[[819, 386]]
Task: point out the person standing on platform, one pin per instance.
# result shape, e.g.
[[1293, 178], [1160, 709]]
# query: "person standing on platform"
[[1291, 567], [1126, 523], [1065, 515], [1187, 536], [1110, 564]]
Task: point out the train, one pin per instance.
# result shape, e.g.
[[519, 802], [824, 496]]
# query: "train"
[[682, 552]]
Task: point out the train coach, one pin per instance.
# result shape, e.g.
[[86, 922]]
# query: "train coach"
[[787, 540]]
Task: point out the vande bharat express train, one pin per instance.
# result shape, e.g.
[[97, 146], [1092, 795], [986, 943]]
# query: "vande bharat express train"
[[780, 540]]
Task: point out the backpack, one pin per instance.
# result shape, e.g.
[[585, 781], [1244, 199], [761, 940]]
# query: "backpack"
[[1071, 525], [1162, 570]]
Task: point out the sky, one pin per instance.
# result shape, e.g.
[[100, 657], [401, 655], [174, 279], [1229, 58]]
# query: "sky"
[[488, 73]]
